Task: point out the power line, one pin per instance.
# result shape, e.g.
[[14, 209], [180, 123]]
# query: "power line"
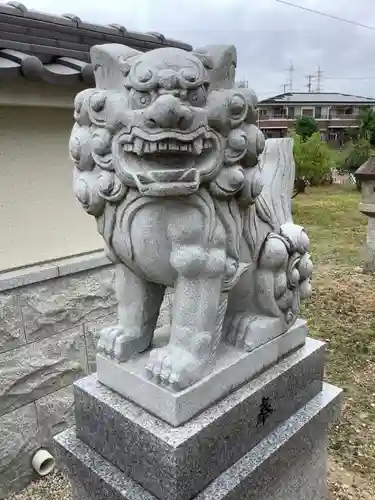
[[326, 14]]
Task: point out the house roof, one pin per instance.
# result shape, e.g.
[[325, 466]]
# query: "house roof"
[[55, 49], [317, 98]]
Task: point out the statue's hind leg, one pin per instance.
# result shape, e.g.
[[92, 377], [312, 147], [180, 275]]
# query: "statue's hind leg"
[[139, 303], [259, 304]]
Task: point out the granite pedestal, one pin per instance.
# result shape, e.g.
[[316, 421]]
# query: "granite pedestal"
[[265, 440], [231, 369]]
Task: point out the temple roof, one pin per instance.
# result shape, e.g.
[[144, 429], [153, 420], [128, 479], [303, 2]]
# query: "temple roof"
[[39, 46]]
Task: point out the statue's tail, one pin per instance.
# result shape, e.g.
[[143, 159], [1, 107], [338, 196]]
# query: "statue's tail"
[[273, 207]]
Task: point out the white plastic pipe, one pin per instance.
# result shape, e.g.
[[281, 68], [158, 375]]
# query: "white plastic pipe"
[[43, 462]]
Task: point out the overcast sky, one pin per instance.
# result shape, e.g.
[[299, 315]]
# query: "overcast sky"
[[268, 35]]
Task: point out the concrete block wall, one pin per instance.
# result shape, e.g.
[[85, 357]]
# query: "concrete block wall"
[[48, 335], [47, 341]]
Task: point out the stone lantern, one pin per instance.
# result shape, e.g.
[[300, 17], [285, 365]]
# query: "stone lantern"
[[366, 177]]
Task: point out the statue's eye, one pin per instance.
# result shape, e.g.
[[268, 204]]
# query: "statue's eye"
[[140, 99], [197, 97], [237, 105]]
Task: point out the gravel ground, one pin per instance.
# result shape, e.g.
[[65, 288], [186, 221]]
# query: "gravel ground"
[[343, 486], [53, 487]]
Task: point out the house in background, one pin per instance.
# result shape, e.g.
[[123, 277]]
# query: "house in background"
[[334, 113], [44, 63]]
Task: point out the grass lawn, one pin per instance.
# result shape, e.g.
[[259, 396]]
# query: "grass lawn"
[[342, 313]]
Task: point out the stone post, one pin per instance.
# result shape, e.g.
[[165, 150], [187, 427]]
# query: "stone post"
[[366, 176]]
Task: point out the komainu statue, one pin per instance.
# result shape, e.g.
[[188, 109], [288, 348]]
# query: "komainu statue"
[[187, 194]]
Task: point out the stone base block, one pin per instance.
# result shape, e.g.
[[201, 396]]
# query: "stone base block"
[[289, 463], [232, 368], [177, 463]]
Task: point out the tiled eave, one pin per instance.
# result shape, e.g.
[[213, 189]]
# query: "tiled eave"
[[60, 71], [55, 49]]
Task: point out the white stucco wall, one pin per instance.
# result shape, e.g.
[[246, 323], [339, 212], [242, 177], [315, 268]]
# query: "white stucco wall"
[[40, 219]]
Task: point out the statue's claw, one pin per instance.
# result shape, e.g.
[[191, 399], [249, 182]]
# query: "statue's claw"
[[120, 346], [174, 367]]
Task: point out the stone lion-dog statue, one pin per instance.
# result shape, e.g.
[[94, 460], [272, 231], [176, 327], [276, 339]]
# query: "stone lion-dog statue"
[[187, 194]]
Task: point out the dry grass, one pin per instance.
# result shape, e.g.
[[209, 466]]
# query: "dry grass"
[[342, 313]]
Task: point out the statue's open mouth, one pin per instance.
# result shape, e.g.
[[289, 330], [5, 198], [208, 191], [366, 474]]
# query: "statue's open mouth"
[[168, 162], [167, 147]]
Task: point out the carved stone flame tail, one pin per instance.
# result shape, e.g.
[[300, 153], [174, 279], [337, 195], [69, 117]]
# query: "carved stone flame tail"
[[273, 207]]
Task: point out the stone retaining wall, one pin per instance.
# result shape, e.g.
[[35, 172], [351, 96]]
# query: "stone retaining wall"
[[48, 333]]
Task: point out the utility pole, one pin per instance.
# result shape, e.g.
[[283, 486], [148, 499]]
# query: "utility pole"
[[284, 87], [242, 84], [319, 77], [309, 82], [290, 77]]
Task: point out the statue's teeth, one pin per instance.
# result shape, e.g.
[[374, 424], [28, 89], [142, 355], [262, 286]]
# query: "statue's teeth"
[[146, 147], [163, 146], [198, 146], [128, 147], [207, 144], [153, 147], [138, 146], [184, 147], [173, 146]]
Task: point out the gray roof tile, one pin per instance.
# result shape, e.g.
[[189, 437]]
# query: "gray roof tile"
[[18, 6], [56, 48], [56, 72], [8, 9], [49, 18], [9, 69], [119, 28]]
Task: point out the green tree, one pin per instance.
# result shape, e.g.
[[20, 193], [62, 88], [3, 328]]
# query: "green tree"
[[314, 158], [356, 154], [306, 126], [366, 128]]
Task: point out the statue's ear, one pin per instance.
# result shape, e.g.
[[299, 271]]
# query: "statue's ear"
[[221, 63], [111, 63]]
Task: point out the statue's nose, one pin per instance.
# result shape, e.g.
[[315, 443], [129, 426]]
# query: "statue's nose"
[[168, 112]]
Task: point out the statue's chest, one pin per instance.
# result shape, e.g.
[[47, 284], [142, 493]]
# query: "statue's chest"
[[154, 229]]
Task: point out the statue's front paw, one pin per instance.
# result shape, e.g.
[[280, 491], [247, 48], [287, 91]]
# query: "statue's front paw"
[[121, 346], [175, 367]]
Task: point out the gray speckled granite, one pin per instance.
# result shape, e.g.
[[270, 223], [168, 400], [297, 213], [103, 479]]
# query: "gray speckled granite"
[[232, 368], [305, 478], [267, 464], [92, 476], [177, 463], [289, 464]]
